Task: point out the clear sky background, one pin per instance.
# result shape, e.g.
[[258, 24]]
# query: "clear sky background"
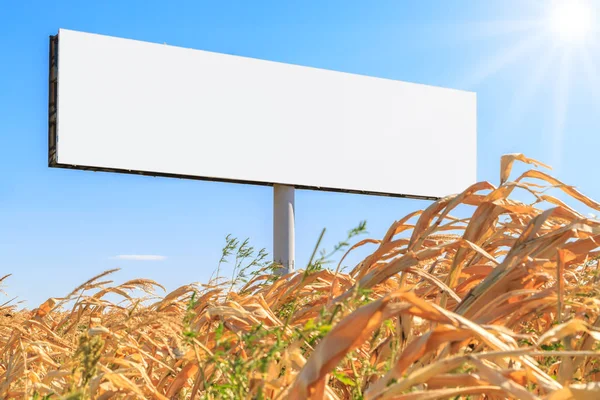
[[537, 94]]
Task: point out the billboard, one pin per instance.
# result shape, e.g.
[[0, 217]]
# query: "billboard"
[[124, 105]]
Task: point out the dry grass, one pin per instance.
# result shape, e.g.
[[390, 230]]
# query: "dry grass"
[[503, 304]]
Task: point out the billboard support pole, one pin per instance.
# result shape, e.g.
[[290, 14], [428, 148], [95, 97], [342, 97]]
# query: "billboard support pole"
[[283, 227]]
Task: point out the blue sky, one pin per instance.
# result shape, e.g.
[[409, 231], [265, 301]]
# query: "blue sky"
[[536, 94]]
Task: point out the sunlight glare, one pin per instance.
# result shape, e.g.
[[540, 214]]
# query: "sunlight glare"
[[572, 20]]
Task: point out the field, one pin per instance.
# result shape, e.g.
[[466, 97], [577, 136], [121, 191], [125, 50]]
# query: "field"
[[501, 304]]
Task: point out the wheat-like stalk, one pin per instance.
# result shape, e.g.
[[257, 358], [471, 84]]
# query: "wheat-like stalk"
[[503, 304]]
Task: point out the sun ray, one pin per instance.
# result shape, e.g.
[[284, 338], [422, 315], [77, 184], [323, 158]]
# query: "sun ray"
[[563, 27], [489, 29], [529, 88], [501, 60], [561, 102], [591, 72]]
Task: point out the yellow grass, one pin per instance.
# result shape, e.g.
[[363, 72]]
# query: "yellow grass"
[[503, 304]]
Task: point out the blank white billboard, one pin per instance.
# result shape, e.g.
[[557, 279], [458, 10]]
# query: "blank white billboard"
[[130, 106]]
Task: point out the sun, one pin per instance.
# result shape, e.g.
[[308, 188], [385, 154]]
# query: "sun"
[[572, 20]]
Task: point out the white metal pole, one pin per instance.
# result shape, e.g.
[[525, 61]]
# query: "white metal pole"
[[283, 227]]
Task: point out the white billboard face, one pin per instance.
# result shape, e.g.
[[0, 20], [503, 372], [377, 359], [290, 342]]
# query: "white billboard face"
[[125, 105]]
